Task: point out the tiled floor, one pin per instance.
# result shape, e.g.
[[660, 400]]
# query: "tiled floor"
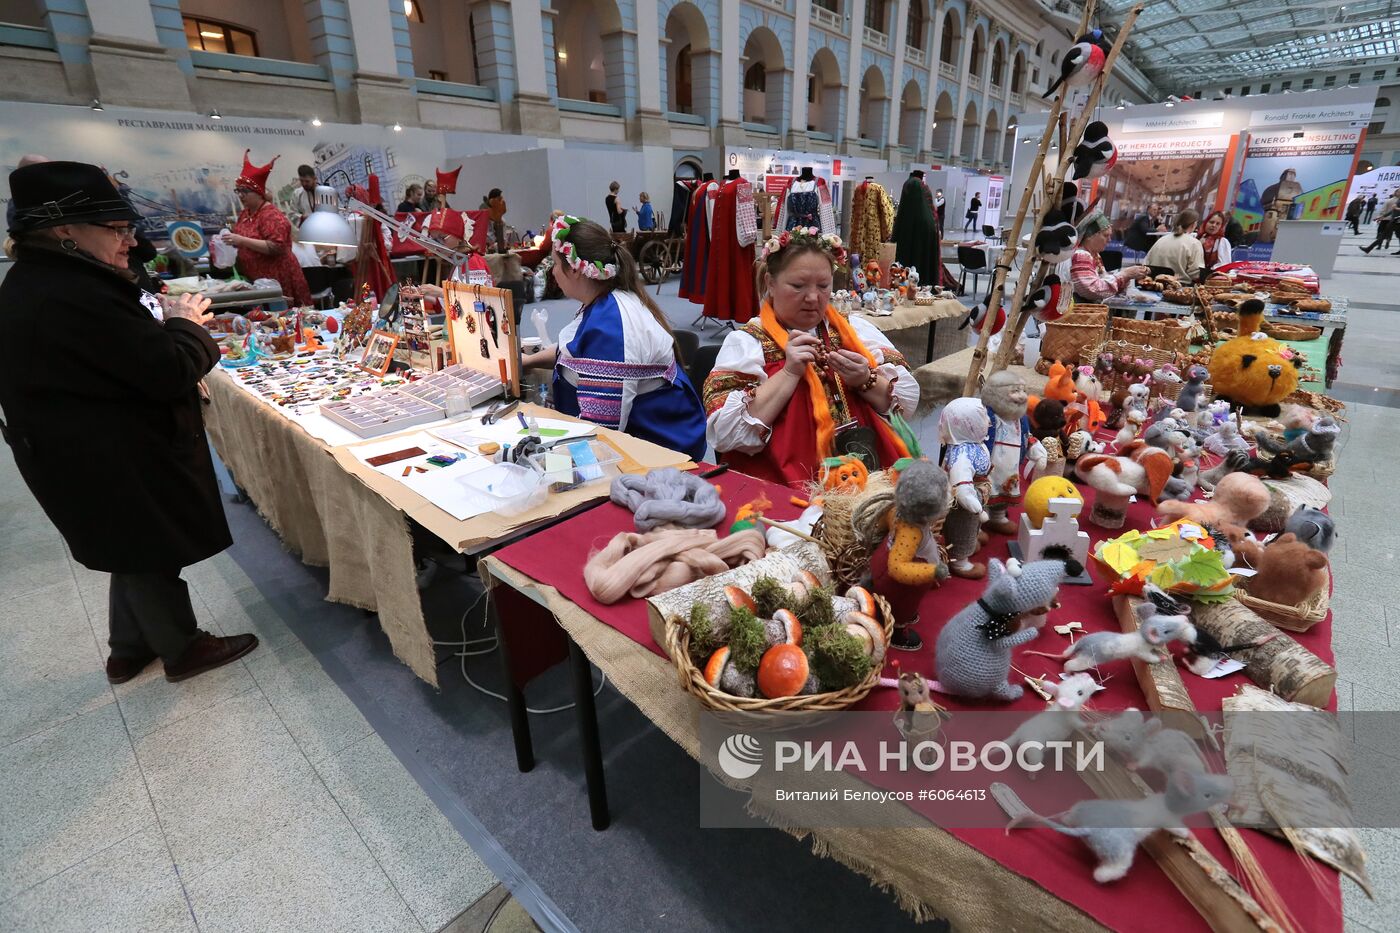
[[255, 797], [259, 797]]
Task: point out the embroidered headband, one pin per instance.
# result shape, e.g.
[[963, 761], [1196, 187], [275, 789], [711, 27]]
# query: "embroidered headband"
[[828, 243], [594, 269]]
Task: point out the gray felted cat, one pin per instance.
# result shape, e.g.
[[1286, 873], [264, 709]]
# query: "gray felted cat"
[[973, 654], [1313, 527], [1314, 446]]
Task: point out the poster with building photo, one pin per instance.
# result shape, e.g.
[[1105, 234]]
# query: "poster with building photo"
[[1160, 178], [1292, 175]]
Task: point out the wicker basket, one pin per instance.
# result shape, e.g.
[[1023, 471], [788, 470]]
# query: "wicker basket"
[[1120, 349], [1168, 334], [1299, 332], [677, 645], [1317, 402], [1066, 340], [1297, 618]]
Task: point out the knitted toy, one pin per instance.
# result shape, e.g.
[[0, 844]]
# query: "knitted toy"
[[962, 430], [668, 497], [1010, 443], [1289, 572], [907, 563], [1253, 369], [1238, 498], [973, 655], [1139, 470]]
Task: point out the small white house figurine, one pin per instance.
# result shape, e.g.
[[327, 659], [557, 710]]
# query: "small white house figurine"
[[1061, 527]]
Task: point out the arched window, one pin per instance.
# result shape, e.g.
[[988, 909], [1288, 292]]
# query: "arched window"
[[756, 78], [824, 94], [978, 54], [689, 61], [1018, 73], [914, 25], [682, 82], [583, 69], [765, 79], [951, 44], [213, 36], [1382, 101], [998, 64], [877, 15]]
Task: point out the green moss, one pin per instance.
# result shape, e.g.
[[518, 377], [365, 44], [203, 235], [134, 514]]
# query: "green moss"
[[815, 611], [703, 637], [770, 596], [837, 657], [747, 640]]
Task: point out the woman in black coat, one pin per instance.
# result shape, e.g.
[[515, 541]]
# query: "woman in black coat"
[[102, 411]]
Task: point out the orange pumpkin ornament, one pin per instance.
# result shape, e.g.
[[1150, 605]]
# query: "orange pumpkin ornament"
[[844, 474]]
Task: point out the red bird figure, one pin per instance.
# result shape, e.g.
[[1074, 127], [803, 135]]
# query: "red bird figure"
[[1044, 302], [977, 316], [1083, 62]]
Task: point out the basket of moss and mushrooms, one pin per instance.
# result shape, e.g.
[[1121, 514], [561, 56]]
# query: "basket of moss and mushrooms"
[[777, 639]]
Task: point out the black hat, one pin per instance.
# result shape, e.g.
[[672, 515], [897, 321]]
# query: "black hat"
[[47, 194]]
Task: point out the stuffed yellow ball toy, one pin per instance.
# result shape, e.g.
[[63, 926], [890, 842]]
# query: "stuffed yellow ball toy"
[[1036, 502], [1253, 369]]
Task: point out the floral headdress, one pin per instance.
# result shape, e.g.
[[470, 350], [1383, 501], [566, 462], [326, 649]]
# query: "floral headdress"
[[828, 243], [558, 235]]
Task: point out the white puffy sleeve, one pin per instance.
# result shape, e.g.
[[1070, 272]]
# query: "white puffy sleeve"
[[891, 364], [737, 373]]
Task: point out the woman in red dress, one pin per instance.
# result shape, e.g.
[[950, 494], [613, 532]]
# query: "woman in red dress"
[[264, 236]]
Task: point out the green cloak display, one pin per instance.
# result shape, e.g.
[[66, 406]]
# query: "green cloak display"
[[916, 232]]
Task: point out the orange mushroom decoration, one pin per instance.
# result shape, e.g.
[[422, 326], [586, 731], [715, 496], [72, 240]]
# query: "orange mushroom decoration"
[[783, 671]]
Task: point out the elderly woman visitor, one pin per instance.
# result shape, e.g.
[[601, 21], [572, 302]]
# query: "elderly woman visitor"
[[107, 431]]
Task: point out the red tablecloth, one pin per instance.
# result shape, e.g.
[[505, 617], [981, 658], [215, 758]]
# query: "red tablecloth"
[[1058, 863]]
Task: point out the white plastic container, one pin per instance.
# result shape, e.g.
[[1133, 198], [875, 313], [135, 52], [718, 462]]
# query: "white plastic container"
[[509, 487], [563, 468]]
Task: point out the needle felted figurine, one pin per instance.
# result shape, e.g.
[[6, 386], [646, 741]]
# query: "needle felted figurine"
[[1253, 369], [1139, 469], [1010, 442], [907, 564], [973, 654], [962, 429], [747, 516]]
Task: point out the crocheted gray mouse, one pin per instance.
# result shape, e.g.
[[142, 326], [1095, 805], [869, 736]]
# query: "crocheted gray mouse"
[[973, 654]]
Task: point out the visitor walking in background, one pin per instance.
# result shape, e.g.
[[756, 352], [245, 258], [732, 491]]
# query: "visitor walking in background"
[[1370, 207], [973, 210], [1353, 216], [1385, 222], [940, 208], [617, 216], [646, 217]]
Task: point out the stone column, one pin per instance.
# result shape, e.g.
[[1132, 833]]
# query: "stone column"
[[533, 112], [935, 80], [730, 86], [131, 63], [381, 93], [964, 67], [853, 101], [801, 67], [901, 38], [495, 52]]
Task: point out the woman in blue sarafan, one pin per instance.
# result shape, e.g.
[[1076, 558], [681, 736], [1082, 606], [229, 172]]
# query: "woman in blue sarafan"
[[616, 363]]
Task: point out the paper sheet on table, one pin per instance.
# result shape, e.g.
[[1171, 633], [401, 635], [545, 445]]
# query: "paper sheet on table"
[[444, 489], [508, 432], [431, 446]]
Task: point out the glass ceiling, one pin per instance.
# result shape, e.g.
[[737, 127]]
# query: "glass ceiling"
[[1185, 44]]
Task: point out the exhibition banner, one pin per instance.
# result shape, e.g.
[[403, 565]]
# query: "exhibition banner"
[[1381, 182], [181, 167], [1292, 175], [1204, 120], [1159, 178], [1359, 112]]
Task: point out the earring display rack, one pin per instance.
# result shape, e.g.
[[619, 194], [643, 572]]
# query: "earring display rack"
[[481, 329], [407, 406]]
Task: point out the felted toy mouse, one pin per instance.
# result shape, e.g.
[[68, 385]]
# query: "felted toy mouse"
[[962, 430], [1058, 722], [1113, 829], [1010, 444], [1144, 743], [907, 563], [1189, 398], [1253, 369], [973, 653], [1289, 572], [1154, 632], [1238, 498]]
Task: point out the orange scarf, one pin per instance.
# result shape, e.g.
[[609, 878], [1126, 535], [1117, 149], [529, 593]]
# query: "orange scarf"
[[821, 407]]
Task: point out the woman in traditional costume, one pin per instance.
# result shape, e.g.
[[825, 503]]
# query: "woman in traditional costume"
[[801, 383], [616, 363], [263, 235]]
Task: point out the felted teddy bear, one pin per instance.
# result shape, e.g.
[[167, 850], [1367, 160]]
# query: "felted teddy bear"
[[1289, 572]]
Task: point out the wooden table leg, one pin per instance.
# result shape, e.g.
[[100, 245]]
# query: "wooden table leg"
[[592, 748], [515, 698]]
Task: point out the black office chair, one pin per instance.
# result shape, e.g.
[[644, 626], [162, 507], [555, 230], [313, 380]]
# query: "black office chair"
[[700, 365], [971, 260], [991, 233], [1112, 259], [687, 342]]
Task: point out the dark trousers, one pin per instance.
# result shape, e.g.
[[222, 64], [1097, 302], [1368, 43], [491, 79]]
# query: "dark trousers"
[[1355, 225], [1370, 211], [150, 612], [1383, 234], [971, 222]]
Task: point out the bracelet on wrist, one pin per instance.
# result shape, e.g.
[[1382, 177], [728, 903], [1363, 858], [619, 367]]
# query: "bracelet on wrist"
[[870, 382]]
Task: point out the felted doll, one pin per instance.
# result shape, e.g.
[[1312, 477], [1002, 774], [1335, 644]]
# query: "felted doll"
[[907, 563], [1010, 442], [962, 431], [973, 654]]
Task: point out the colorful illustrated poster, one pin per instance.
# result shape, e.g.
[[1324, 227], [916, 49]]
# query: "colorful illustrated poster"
[[1292, 175], [1161, 177]]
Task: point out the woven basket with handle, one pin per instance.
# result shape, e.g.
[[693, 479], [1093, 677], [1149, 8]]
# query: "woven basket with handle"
[[1069, 338], [1297, 618]]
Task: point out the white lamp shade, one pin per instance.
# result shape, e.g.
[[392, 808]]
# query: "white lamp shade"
[[325, 226]]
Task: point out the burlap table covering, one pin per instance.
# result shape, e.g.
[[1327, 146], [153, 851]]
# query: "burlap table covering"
[[929, 872], [325, 516], [907, 328]]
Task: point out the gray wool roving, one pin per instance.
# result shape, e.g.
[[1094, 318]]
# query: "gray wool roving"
[[668, 497], [972, 664]]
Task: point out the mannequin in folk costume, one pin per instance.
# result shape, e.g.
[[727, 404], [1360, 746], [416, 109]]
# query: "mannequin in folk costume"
[[615, 364], [962, 430], [1010, 443], [806, 202], [695, 269], [801, 378], [916, 234], [684, 190], [730, 294], [263, 235], [872, 219]]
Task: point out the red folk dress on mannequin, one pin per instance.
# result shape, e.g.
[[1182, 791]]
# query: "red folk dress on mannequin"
[[697, 245], [730, 293]]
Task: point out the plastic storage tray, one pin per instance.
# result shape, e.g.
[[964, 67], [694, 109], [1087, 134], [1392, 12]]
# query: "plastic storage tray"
[[588, 462], [509, 487]]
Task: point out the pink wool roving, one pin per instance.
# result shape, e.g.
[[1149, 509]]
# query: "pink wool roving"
[[641, 565]]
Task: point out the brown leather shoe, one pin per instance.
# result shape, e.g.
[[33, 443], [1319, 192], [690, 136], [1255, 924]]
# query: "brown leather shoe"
[[208, 652], [120, 670]]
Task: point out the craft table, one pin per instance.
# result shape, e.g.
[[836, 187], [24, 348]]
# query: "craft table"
[[975, 878], [334, 512], [909, 316]]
